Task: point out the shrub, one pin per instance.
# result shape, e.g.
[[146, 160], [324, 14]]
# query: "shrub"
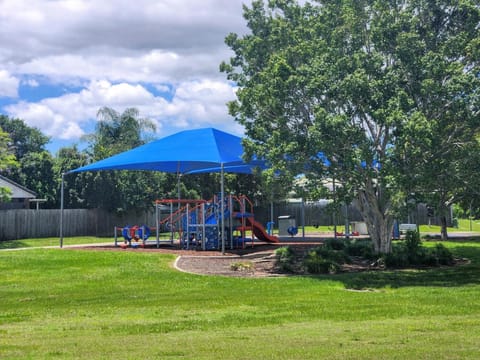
[[335, 244], [442, 255], [413, 242], [338, 256], [285, 258], [408, 254], [316, 264], [397, 258], [360, 247]]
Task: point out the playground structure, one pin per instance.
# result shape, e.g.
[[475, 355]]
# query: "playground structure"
[[198, 224]]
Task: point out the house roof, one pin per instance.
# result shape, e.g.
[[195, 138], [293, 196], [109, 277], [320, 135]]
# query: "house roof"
[[18, 191]]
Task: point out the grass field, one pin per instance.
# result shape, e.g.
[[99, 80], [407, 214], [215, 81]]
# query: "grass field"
[[79, 304]]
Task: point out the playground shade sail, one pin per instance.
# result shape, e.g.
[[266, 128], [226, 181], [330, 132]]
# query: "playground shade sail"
[[189, 151]]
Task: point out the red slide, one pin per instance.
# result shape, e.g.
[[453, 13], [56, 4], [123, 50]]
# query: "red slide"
[[260, 232]]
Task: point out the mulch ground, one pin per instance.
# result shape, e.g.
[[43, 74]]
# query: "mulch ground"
[[252, 261]]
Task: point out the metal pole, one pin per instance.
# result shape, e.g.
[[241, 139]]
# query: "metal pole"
[[303, 219], [222, 208], [334, 210], [61, 209], [347, 223], [230, 219], [187, 230], [204, 240], [171, 224], [271, 216], [157, 224]]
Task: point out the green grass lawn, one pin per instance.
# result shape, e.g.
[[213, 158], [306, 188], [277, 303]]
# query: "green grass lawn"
[[55, 241], [79, 304], [52, 241]]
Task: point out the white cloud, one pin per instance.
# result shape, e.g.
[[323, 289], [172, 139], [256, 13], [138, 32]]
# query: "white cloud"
[[8, 85], [62, 117], [118, 53], [196, 103]]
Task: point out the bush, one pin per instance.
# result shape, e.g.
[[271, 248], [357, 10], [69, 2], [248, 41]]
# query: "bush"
[[316, 264], [285, 258], [413, 242], [397, 258], [335, 244], [360, 247], [409, 254], [442, 255], [338, 256]]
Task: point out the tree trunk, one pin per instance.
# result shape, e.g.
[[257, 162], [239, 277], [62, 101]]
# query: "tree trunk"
[[443, 231], [379, 222]]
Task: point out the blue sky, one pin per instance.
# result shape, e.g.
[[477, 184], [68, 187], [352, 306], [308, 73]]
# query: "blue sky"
[[62, 60]]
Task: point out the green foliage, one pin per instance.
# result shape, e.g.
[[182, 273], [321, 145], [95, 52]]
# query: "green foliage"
[[116, 132], [412, 253], [412, 241], [285, 258], [36, 173], [442, 255], [335, 244], [360, 247], [5, 194], [34, 170], [7, 158], [320, 263], [365, 82], [24, 139], [327, 252], [326, 259]]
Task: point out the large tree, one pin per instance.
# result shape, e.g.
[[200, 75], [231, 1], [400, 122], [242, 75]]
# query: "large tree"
[[357, 81], [442, 81]]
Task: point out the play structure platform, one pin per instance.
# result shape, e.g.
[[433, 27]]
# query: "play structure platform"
[[198, 224]]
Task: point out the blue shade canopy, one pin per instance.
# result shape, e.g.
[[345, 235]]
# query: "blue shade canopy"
[[189, 151]]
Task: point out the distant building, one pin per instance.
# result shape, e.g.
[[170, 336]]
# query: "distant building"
[[20, 197]]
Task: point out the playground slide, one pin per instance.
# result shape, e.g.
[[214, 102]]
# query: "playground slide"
[[260, 232]]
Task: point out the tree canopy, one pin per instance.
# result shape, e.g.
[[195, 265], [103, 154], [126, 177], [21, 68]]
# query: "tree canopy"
[[34, 169], [7, 160], [386, 91]]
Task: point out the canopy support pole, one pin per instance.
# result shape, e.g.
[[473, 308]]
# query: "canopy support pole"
[[222, 208], [61, 208], [157, 225]]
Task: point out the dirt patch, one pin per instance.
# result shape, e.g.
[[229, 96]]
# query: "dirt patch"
[[250, 265]]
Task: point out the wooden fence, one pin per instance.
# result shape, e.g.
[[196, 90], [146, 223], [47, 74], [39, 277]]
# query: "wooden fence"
[[21, 224]]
